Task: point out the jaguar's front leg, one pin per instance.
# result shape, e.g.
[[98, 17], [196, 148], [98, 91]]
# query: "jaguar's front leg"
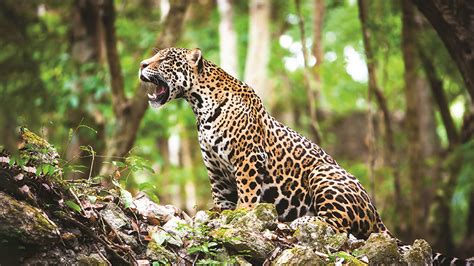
[[224, 194], [249, 175]]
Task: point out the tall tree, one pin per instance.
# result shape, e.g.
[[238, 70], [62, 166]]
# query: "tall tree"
[[412, 114], [227, 38], [87, 47], [453, 22], [311, 85], [375, 90], [129, 111], [318, 50], [258, 52]]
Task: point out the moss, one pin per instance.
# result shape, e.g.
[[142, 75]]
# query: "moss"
[[212, 214], [380, 249], [92, 260], [319, 235], [419, 254], [349, 259], [231, 215], [298, 255], [21, 221], [265, 212], [159, 253]]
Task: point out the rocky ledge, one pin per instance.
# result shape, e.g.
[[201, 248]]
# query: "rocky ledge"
[[45, 220]]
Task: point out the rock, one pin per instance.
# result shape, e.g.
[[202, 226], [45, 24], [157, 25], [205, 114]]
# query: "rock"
[[159, 253], [114, 216], [243, 240], [344, 258], [202, 217], [149, 209], [354, 243], [380, 249], [129, 239], [92, 260], [319, 235], [419, 253], [175, 227], [299, 255], [21, 221], [261, 217]]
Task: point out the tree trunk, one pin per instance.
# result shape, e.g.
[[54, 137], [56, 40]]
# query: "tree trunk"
[[311, 85], [258, 52], [88, 46], [400, 203], [414, 151], [227, 38], [318, 50], [453, 22], [129, 112], [436, 85]]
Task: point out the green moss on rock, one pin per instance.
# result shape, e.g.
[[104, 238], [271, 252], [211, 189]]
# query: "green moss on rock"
[[243, 240], [419, 253], [159, 253], [299, 255], [380, 249], [319, 236]]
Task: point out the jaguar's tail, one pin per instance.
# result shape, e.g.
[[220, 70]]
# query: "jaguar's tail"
[[439, 258]]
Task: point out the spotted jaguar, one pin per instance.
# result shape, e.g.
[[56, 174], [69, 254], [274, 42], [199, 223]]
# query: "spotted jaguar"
[[250, 156]]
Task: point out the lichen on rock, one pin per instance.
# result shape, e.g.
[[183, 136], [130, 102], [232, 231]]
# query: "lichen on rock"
[[298, 255], [380, 249], [419, 253], [320, 236]]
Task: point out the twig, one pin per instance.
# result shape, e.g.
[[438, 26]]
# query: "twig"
[[93, 235]]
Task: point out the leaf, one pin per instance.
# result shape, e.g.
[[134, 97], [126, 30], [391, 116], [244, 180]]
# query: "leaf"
[[88, 127], [159, 237], [126, 198], [92, 199], [146, 186], [73, 205], [118, 164]]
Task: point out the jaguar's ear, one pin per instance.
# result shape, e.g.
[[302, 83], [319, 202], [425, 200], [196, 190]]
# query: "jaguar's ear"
[[195, 58]]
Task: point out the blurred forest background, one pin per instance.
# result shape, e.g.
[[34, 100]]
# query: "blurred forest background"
[[372, 82]]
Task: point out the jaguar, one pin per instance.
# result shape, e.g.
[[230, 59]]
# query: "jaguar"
[[251, 157]]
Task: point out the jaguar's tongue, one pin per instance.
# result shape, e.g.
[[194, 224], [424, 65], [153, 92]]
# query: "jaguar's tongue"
[[156, 92]]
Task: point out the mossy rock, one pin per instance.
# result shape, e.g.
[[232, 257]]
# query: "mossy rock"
[[245, 241], [230, 215], [21, 221], [299, 255], [380, 249], [348, 259], [419, 253], [159, 253], [319, 236], [92, 260], [262, 216]]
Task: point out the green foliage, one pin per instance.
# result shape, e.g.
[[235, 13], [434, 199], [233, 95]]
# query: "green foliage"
[[73, 206], [462, 159]]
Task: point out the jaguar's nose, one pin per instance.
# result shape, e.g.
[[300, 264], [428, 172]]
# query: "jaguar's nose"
[[143, 65]]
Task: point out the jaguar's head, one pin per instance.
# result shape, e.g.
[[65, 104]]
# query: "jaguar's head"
[[170, 73]]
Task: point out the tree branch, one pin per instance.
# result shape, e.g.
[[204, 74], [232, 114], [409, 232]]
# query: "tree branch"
[[452, 20], [436, 86], [113, 60]]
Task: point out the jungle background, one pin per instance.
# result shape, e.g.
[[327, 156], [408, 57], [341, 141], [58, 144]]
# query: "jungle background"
[[385, 87]]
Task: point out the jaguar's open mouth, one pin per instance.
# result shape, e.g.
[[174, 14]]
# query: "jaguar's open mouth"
[[158, 93]]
